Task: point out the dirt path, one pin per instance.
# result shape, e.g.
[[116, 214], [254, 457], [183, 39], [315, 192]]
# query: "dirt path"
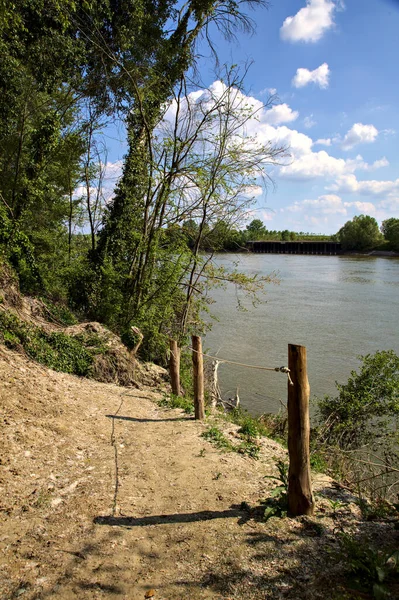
[[106, 495]]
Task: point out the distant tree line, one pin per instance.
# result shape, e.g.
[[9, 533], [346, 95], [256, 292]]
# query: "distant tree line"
[[361, 234]]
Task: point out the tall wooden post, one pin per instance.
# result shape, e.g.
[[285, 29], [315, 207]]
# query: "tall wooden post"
[[300, 497], [174, 367], [198, 366]]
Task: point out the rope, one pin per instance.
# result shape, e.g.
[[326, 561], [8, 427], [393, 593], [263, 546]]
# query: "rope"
[[260, 368]]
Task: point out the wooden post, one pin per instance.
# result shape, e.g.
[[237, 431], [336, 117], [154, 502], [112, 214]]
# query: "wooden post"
[[198, 366], [300, 497], [174, 367]]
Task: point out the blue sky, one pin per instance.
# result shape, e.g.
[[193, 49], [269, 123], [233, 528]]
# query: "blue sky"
[[334, 67]]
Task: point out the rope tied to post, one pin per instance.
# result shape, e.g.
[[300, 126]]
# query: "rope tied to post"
[[259, 367]]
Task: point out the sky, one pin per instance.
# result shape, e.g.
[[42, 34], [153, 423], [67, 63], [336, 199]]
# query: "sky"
[[332, 67]]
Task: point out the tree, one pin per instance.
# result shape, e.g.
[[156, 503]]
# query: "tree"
[[201, 173], [256, 230], [362, 233], [390, 229]]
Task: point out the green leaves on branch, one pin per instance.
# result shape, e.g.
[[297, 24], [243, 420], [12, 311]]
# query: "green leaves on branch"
[[366, 410]]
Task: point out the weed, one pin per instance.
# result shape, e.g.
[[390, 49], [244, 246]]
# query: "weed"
[[216, 437], [379, 509], [317, 462], [249, 447], [173, 401], [277, 504], [249, 426], [370, 569]]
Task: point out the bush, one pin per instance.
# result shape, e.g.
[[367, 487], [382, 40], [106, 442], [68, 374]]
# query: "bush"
[[357, 434], [55, 350], [367, 405]]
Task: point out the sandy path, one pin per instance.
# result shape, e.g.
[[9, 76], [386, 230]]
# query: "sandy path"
[[104, 493]]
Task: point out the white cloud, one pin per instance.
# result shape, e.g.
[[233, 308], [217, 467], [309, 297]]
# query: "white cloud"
[[305, 163], [310, 22], [319, 76], [330, 212], [309, 122], [348, 184], [268, 91], [281, 113], [329, 204], [312, 165], [367, 208], [359, 134]]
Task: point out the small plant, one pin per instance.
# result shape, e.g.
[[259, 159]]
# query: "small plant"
[[335, 505], [249, 447], [216, 437], [59, 313], [371, 569], [277, 504], [318, 462], [173, 401], [379, 509]]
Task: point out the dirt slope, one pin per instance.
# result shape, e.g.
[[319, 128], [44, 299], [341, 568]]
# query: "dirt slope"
[[106, 495]]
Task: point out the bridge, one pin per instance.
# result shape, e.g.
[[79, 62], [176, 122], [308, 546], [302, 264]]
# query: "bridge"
[[299, 247]]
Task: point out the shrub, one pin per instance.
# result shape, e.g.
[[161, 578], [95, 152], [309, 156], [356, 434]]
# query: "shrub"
[[367, 405]]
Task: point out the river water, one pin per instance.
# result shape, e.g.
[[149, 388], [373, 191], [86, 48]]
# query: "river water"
[[337, 306]]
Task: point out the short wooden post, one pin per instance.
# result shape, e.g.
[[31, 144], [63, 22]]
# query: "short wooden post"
[[174, 367], [198, 366], [300, 497]]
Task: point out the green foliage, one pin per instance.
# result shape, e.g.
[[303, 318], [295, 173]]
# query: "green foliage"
[[248, 446], [378, 509], [367, 406], [256, 230], [318, 462], [371, 570], [249, 426], [277, 504], [173, 401], [60, 313], [218, 439], [390, 229], [362, 233], [55, 350]]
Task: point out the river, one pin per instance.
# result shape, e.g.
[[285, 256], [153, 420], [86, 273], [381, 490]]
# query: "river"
[[337, 306]]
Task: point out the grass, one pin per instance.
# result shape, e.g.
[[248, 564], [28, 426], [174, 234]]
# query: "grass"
[[218, 439], [248, 446], [172, 401], [273, 426]]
